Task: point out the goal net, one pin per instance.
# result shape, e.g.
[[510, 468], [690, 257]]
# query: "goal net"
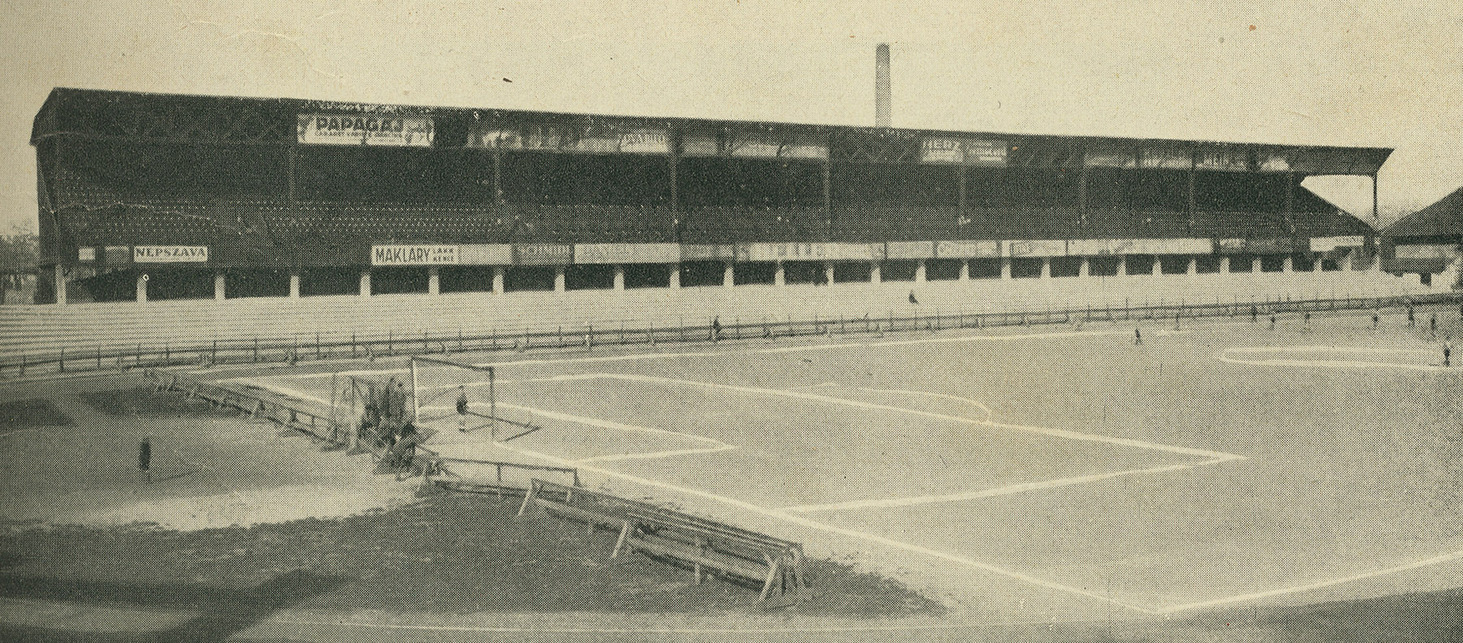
[[451, 396]]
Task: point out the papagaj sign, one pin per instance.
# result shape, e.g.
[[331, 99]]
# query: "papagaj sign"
[[170, 254], [365, 129]]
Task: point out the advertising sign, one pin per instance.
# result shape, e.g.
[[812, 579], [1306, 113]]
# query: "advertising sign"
[[706, 252], [1223, 159], [616, 253], [1434, 252], [700, 144], [967, 249], [793, 251], [542, 254], [1269, 246], [1274, 163], [853, 251], [944, 149], [485, 254], [1110, 157], [170, 254], [986, 153], [1231, 246], [1101, 247], [773, 146], [645, 141], [935, 149], [414, 255], [1327, 244], [909, 249], [596, 139], [1037, 248], [364, 129], [1167, 158]]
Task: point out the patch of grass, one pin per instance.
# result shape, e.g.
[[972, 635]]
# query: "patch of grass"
[[141, 401], [32, 412], [449, 553]]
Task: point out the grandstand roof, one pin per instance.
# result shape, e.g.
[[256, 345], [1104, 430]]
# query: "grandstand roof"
[[217, 119], [1441, 219]]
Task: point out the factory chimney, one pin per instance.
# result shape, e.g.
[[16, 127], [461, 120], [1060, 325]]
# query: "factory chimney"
[[881, 86]]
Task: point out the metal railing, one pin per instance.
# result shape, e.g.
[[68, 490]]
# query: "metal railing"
[[509, 477], [320, 346]]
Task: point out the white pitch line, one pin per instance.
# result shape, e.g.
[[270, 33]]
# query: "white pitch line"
[[631, 428], [1303, 363], [642, 632], [10, 433], [653, 455], [1325, 348], [608, 424], [1059, 433], [1224, 356], [887, 503], [793, 518], [987, 409], [811, 524], [1435, 560]]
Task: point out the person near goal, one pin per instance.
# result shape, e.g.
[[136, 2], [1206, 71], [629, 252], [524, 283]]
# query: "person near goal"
[[462, 408]]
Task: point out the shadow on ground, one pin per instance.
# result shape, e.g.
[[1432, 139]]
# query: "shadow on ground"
[[221, 612]]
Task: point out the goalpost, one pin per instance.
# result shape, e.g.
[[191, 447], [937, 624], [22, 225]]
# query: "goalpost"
[[447, 395]]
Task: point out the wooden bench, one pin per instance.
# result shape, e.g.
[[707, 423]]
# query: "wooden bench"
[[701, 543]]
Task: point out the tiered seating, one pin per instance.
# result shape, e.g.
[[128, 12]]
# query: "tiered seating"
[[594, 224], [1331, 223], [890, 222], [738, 224], [86, 326]]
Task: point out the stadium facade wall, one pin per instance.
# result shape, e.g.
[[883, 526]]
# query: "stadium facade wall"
[[335, 318], [146, 197]]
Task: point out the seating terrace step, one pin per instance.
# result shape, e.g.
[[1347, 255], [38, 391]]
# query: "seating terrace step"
[[32, 329]]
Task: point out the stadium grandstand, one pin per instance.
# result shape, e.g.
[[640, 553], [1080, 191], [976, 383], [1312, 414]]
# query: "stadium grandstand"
[[1428, 243], [328, 215]]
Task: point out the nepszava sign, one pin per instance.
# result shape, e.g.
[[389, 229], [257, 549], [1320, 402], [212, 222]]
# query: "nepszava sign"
[[170, 254]]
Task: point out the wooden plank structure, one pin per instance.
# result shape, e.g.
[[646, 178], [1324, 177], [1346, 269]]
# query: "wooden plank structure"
[[437, 470], [706, 546]]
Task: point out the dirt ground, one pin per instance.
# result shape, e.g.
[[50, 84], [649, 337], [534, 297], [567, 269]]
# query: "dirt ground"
[[247, 532], [239, 519]]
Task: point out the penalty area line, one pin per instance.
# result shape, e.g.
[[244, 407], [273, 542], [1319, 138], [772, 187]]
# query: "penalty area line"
[[1057, 433], [887, 503], [1296, 589], [812, 524]]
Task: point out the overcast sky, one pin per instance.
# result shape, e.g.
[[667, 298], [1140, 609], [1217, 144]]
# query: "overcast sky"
[[1319, 72]]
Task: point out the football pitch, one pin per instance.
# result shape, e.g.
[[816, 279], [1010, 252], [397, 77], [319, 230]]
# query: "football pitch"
[[1061, 473]]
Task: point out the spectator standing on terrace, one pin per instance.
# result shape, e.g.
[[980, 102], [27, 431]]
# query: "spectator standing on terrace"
[[1411, 316], [715, 329], [1254, 314], [1272, 321], [1137, 336], [1376, 318], [1447, 353], [912, 299], [1433, 322]]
